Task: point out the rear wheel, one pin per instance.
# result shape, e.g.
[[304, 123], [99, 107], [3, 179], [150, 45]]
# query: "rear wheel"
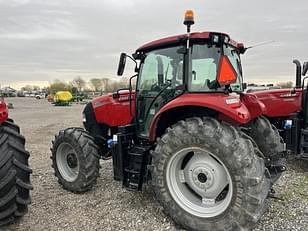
[[208, 176], [75, 159], [15, 173]]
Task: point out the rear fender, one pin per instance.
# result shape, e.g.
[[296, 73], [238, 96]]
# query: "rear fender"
[[228, 107]]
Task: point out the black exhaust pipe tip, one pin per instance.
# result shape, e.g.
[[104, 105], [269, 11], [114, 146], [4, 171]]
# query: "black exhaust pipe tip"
[[305, 68], [298, 73]]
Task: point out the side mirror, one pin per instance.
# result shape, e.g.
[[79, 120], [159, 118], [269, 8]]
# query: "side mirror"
[[121, 64], [305, 68]]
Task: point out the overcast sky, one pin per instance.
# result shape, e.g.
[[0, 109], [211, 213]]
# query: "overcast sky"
[[43, 40]]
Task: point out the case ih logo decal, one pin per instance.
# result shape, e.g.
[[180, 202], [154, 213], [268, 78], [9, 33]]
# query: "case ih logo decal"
[[288, 95]]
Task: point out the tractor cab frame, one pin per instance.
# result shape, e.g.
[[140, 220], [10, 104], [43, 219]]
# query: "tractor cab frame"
[[177, 77], [195, 63]]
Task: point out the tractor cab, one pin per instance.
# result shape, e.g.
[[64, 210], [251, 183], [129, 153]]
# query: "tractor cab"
[[192, 63]]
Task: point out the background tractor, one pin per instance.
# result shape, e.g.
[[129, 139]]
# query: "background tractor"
[[187, 128], [15, 173], [287, 109]]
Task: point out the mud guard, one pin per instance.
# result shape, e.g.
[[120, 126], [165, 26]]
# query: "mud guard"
[[254, 106], [229, 107]]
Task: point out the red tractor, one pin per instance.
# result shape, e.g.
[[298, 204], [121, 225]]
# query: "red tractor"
[[287, 109], [15, 173], [187, 127]]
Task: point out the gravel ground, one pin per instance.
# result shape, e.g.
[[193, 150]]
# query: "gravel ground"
[[108, 206]]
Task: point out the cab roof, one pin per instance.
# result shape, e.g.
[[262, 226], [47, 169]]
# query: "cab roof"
[[178, 39]]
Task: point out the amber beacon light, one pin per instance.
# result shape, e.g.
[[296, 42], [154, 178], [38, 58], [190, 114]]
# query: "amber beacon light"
[[189, 19]]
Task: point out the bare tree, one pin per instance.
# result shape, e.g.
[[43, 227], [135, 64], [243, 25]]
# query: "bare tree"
[[36, 88], [58, 85], [106, 84], [97, 84], [27, 88], [79, 83], [288, 84]]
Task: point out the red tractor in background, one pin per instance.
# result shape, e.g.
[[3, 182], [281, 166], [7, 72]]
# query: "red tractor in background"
[[287, 109], [188, 128], [15, 173]]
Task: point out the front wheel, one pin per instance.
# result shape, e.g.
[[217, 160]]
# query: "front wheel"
[[75, 159], [270, 143], [208, 176]]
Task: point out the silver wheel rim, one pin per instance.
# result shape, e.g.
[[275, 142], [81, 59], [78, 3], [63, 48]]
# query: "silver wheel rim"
[[67, 162], [199, 182]]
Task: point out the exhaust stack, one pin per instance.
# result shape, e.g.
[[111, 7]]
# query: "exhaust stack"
[[298, 73]]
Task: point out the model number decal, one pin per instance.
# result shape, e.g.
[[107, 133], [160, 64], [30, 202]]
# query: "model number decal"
[[288, 95]]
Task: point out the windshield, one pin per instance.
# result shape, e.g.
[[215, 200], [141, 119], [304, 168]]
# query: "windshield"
[[159, 68], [204, 66]]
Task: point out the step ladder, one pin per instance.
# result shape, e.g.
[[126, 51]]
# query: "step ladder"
[[135, 168]]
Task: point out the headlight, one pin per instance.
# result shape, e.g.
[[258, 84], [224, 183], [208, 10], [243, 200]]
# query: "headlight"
[[84, 119]]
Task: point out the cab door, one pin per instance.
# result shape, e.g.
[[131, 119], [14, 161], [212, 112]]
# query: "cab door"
[[158, 77]]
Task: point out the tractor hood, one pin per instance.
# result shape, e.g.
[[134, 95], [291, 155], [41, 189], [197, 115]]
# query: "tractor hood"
[[114, 109], [280, 102]]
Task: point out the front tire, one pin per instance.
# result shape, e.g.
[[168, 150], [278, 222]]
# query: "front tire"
[[207, 176], [15, 173], [75, 160], [270, 143], [267, 138]]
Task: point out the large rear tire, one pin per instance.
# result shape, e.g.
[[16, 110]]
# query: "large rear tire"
[[208, 176], [75, 159], [15, 173]]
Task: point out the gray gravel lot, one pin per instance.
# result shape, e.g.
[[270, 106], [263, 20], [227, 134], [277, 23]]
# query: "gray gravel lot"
[[109, 207]]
